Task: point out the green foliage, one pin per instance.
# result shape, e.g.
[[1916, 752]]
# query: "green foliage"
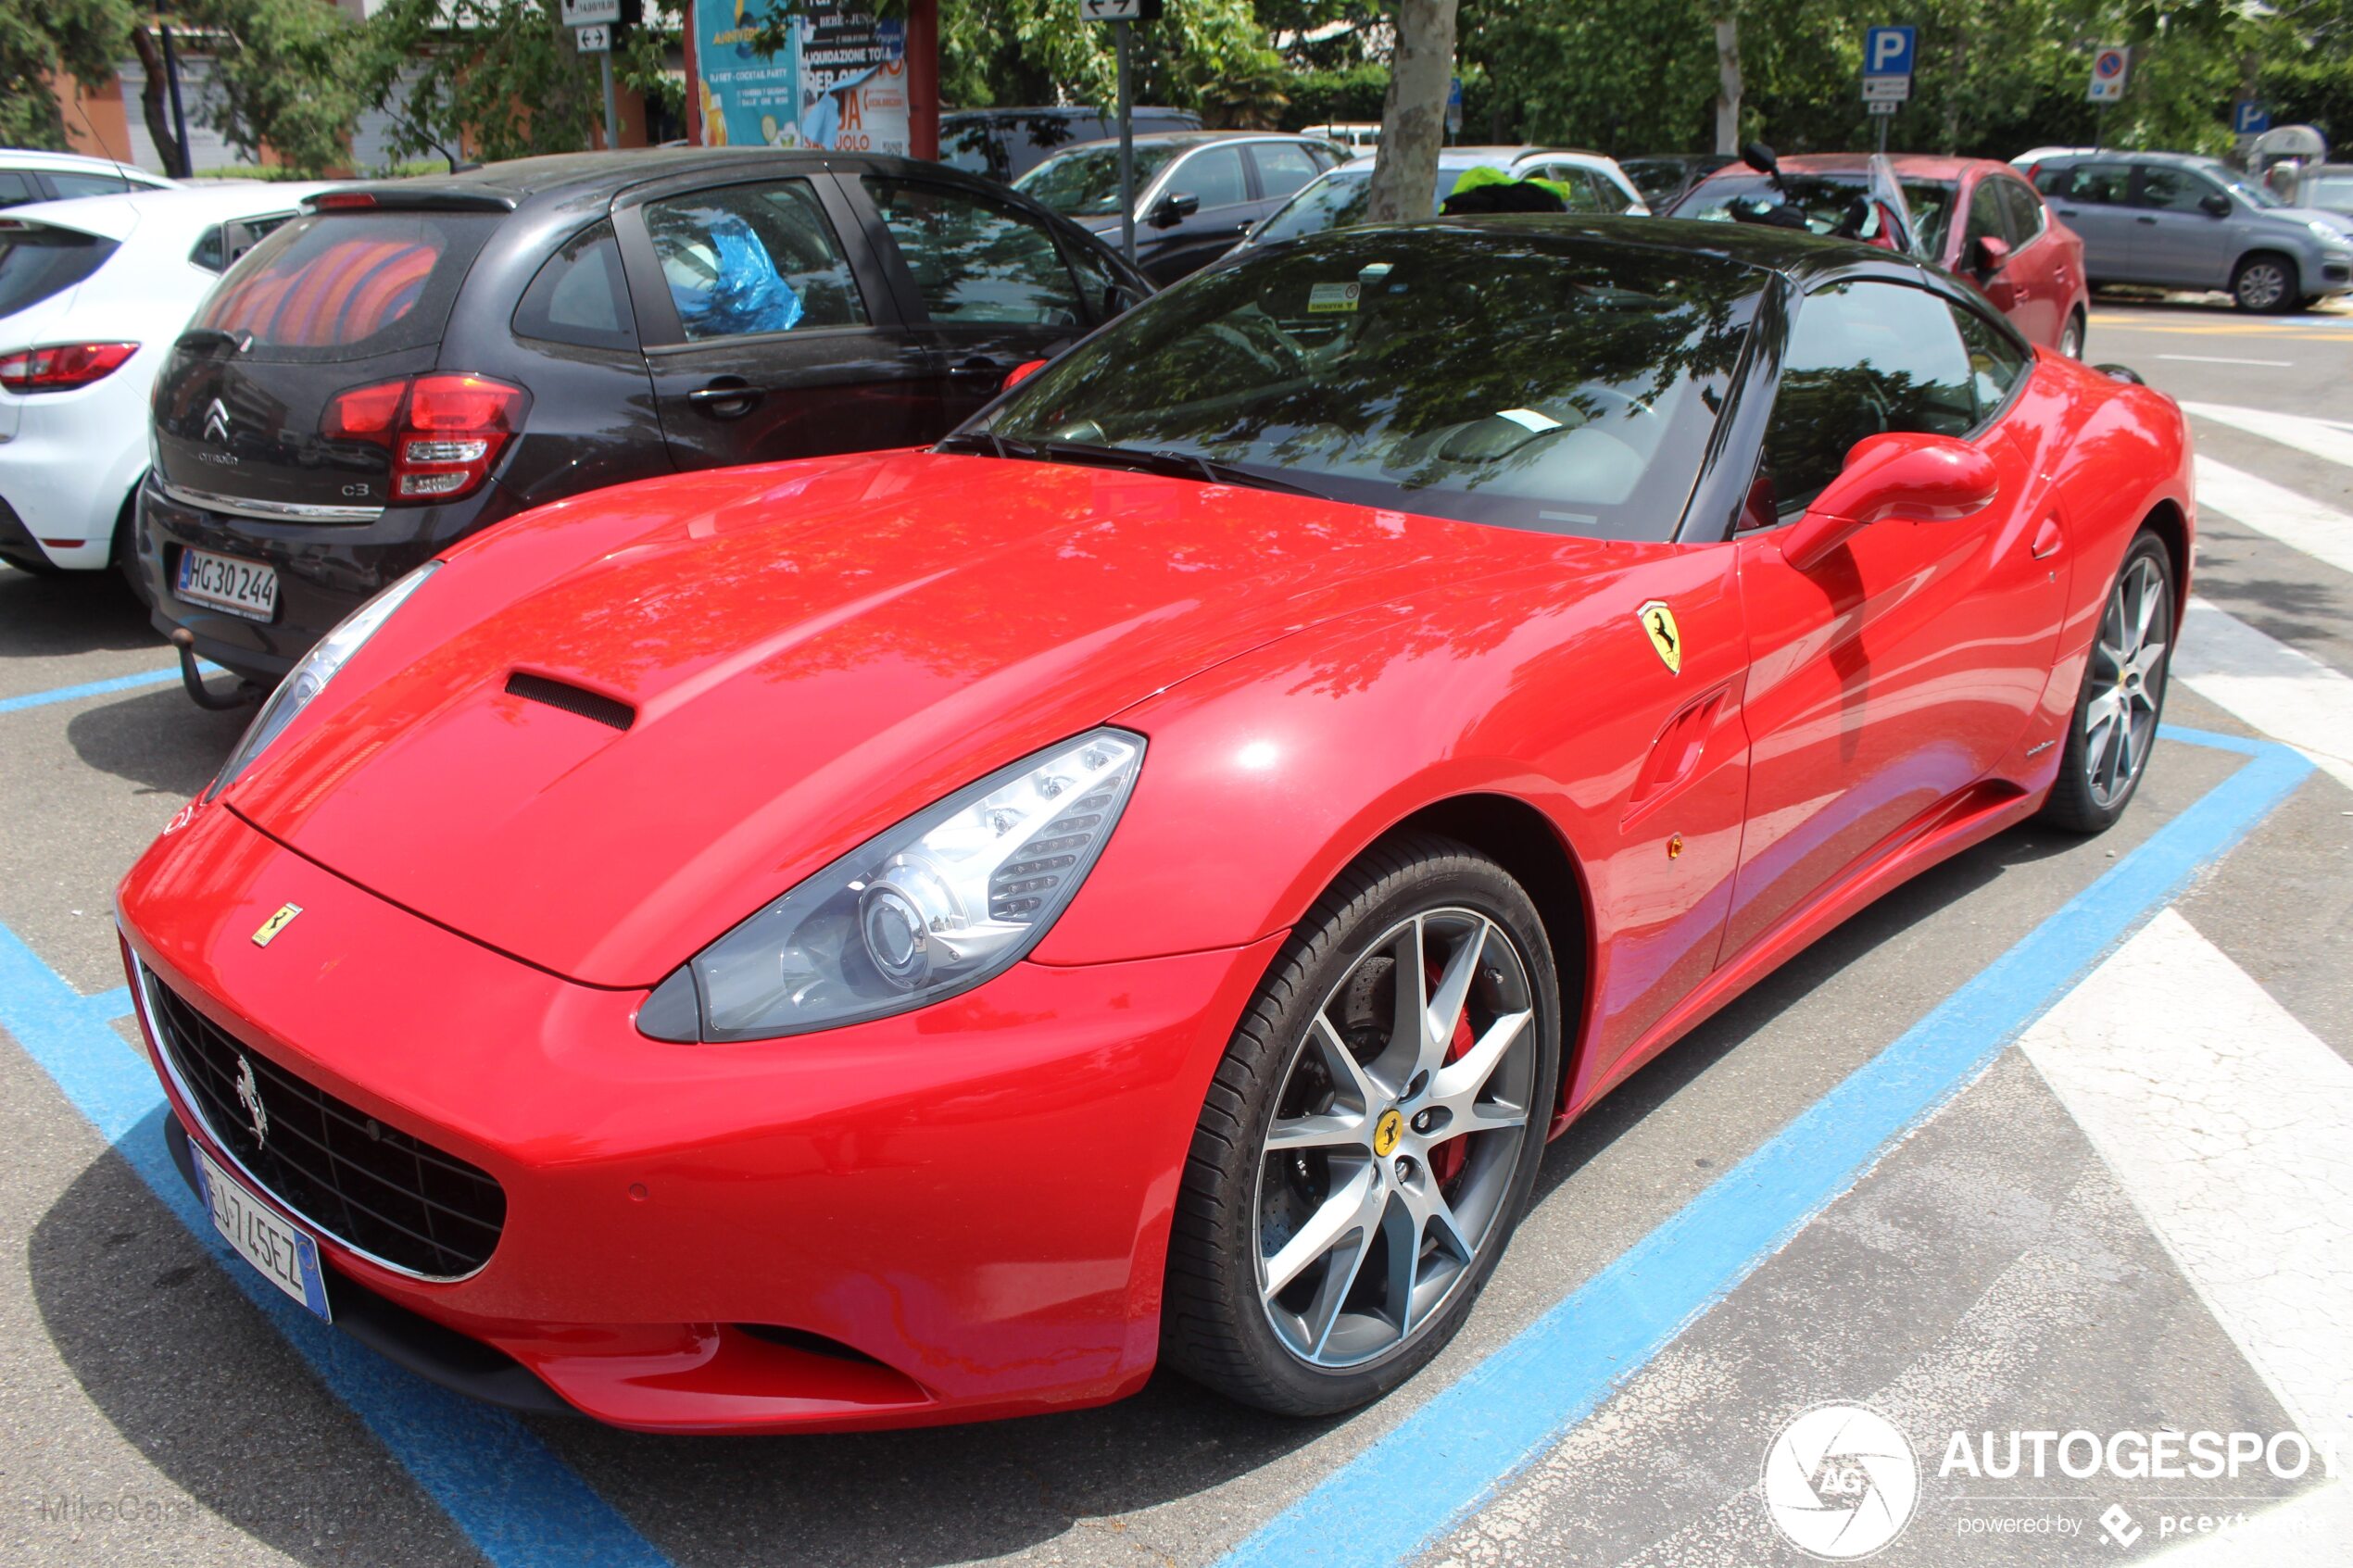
[[500, 78], [1351, 94], [76, 38], [285, 74], [1206, 55]]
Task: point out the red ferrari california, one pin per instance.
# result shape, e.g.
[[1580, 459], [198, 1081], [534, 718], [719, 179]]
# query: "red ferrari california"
[[934, 934]]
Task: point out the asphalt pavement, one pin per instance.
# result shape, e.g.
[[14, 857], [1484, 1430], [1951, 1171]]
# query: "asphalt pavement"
[[2055, 1139]]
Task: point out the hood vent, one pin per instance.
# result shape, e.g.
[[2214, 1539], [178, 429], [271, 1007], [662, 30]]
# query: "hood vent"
[[572, 699]]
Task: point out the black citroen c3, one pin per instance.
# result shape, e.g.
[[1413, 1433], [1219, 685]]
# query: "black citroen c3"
[[416, 359]]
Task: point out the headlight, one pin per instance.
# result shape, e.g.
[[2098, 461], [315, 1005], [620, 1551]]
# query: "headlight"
[[2328, 234], [937, 905], [308, 678]]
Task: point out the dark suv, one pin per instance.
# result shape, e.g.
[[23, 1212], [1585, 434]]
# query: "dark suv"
[[414, 359]]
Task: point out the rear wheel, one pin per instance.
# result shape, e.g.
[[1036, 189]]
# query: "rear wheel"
[[2123, 695], [2265, 282], [2071, 336], [1371, 1137], [124, 556]]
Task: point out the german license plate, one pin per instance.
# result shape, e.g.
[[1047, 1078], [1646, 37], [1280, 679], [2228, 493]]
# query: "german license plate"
[[240, 588], [286, 1257]]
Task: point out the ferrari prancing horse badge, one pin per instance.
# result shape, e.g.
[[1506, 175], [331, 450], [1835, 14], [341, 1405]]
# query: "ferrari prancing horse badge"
[[1659, 621], [276, 923]]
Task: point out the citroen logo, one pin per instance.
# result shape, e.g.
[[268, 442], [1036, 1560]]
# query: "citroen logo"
[[250, 1096], [216, 422]]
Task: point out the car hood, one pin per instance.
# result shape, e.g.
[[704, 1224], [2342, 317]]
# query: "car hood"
[[810, 652]]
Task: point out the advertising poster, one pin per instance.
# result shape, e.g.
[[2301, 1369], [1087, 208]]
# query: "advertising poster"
[[839, 83]]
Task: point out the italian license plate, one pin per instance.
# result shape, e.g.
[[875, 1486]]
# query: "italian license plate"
[[240, 588], [286, 1257]]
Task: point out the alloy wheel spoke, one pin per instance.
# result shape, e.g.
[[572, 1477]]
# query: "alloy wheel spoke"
[[1402, 1225], [1340, 1278], [1444, 1007], [1325, 1129], [1353, 1205], [1348, 1075], [1457, 1085]]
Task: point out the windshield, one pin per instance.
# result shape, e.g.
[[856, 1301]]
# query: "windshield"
[[1532, 381], [1084, 182], [1338, 201], [1825, 202]]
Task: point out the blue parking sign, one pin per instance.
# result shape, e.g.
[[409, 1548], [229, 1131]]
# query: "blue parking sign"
[[2250, 119], [1887, 50]]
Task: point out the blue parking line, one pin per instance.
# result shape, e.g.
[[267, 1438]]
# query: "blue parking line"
[[519, 1503], [1437, 1466], [93, 688]]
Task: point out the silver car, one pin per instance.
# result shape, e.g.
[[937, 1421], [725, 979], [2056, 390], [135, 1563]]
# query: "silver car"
[[2174, 221]]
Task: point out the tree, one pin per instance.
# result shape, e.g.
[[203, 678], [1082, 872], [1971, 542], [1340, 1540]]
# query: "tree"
[[1413, 119], [43, 39], [285, 76], [1728, 83]]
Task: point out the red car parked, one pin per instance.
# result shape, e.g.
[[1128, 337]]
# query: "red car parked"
[[930, 935], [2008, 244]]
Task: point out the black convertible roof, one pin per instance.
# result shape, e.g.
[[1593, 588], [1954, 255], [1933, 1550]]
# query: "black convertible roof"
[[1802, 257]]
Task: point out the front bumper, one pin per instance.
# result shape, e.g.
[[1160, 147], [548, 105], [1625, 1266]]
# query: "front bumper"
[[325, 571], [958, 1213]]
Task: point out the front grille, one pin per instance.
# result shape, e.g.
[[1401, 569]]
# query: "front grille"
[[375, 1189]]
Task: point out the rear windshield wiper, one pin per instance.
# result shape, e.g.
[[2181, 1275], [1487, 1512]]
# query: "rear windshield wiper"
[[213, 337]]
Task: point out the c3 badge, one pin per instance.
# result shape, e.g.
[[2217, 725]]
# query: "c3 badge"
[[1665, 636], [276, 923]]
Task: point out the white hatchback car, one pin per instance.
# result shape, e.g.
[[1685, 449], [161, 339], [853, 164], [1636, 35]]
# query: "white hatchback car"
[[92, 294], [1590, 182], [28, 174]]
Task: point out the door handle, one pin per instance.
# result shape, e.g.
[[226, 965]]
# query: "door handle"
[[2047, 539], [2145, 219], [2066, 212], [726, 399], [978, 367]]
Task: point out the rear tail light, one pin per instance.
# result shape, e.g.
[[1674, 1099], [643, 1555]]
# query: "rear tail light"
[[61, 367], [444, 431]]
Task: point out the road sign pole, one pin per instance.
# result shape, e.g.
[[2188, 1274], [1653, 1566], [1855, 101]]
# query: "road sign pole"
[[1126, 150], [612, 107], [1882, 120]]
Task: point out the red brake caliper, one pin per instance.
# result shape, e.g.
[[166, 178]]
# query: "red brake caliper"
[[1446, 1159]]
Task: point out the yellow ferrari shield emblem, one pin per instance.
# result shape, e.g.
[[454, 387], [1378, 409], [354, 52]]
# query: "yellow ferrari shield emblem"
[[1665, 636], [276, 923], [1387, 1131]]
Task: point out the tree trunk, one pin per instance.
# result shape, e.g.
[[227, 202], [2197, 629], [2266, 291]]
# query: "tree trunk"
[[1728, 85], [1413, 116], [154, 103]]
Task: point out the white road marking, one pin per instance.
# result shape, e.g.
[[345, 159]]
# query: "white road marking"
[[2322, 532], [2287, 694], [2218, 359], [2230, 1124], [2322, 438]]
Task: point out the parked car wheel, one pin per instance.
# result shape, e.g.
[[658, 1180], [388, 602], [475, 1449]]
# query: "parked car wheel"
[[2072, 337], [2265, 282], [1370, 1138], [2122, 696]]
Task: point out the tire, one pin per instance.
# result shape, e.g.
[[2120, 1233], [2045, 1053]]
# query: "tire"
[[124, 555], [2095, 783], [2265, 283], [1332, 1333], [2071, 343]]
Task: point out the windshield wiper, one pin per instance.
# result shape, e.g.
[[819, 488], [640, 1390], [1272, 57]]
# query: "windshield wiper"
[[985, 442], [1175, 465]]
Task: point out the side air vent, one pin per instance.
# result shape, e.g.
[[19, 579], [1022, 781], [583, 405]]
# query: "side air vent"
[[572, 699]]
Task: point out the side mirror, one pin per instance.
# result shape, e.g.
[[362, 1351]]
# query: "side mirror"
[[1022, 372], [1120, 298], [1173, 208], [1993, 252], [1760, 157], [1925, 478], [2214, 203]]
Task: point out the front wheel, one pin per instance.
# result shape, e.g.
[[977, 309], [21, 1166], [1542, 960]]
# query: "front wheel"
[[2070, 341], [2265, 283], [2123, 695], [1370, 1138]]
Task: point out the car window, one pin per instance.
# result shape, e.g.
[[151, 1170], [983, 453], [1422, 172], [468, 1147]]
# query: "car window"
[[219, 248], [580, 295], [16, 189], [1084, 182], [751, 260], [37, 261], [1545, 385], [348, 285], [1985, 220], [80, 185], [975, 260], [2100, 184], [1283, 168], [1864, 359], [2172, 190], [1996, 363], [1215, 174], [2023, 207]]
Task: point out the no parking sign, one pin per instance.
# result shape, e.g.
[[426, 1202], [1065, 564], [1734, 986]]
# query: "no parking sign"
[[2108, 69]]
